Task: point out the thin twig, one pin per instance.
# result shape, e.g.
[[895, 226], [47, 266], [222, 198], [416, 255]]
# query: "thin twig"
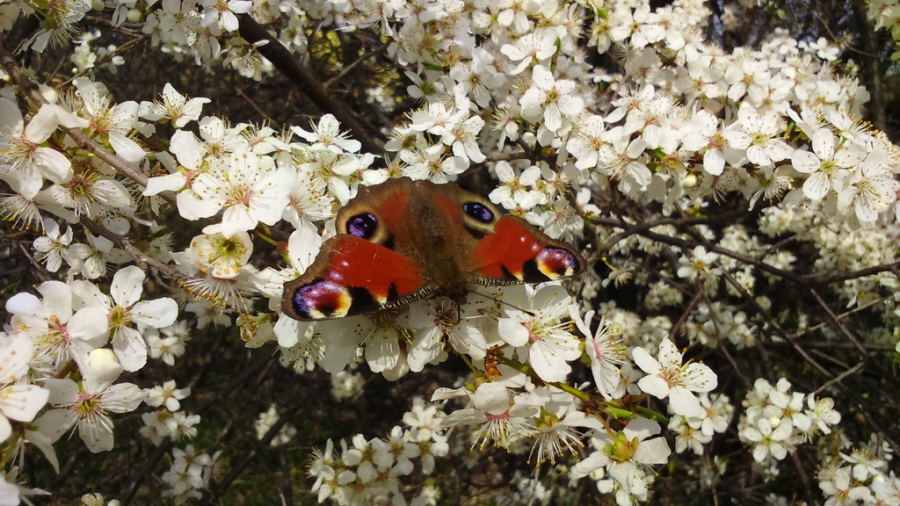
[[841, 316], [758, 263], [287, 485], [745, 380], [772, 323], [849, 335], [840, 377], [804, 478], [685, 313], [327, 84], [868, 271], [139, 256], [236, 471], [255, 106], [640, 228], [167, 444], [303, 79], [841, 346]]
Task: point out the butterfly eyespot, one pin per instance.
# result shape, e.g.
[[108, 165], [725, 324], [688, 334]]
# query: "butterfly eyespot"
[[322, 299], [362, 225], [478, 211], [556, 263]]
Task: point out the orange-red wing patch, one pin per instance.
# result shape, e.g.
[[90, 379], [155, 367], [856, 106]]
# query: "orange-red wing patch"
[[517, 252], [355, 277]]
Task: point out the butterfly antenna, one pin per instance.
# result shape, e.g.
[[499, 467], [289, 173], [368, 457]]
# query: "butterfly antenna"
[[504, 303]]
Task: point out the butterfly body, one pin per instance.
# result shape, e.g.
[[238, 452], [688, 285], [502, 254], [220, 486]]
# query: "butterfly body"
[[405, 240]]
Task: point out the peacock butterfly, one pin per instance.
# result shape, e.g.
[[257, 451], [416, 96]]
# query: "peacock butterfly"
[[405, 240]]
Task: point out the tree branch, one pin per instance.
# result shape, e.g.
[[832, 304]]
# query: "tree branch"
[[772, 323], [303, 79]]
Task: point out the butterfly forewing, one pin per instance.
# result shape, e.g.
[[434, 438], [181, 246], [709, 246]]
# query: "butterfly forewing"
[[517, 252]]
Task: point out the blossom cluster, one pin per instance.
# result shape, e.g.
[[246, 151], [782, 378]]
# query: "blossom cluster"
[[265, 422], [886, 14], [862, 477], [777, 420], [169, 422], [373, 469], [189, 474], [73, 323]]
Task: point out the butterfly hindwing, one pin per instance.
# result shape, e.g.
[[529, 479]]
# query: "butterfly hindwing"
[[353, 276], [517, 252]]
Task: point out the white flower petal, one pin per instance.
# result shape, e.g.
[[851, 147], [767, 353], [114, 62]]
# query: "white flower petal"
[[5, 432], [22, 402], [685, 403], [57, 299], [96, 438], [713, 162], [669, 356], [653, 451], [54, 165], [382, 354], [15, 352], [492, 398], [11, 121], [26, 305], [823, 143], [187, 149], [91, 326], [778, 150], [130, 348], [647, 363], [43, 443], [42, 125], [62, 391], [699, 377], [123, 398], [512, 332], [157, 185], [156, 313], [548, 365], [127, 286], [86, 294], [655, 386], [804, 161], [55, 423], [129, 150]]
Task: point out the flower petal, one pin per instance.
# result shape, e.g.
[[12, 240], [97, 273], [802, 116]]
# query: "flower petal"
[[547, 364], [647, 363], [655, 386], [155, 313], [95, 437], [512, 331], [130, 348], [22, 402], [127, 286], [492, 398], [685, 403]]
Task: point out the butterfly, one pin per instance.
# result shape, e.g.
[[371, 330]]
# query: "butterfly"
[[405, 240]]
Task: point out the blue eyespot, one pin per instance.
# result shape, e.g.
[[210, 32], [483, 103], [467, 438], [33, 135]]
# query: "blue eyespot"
[[478, 211], [321, 299], [362, 225]]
